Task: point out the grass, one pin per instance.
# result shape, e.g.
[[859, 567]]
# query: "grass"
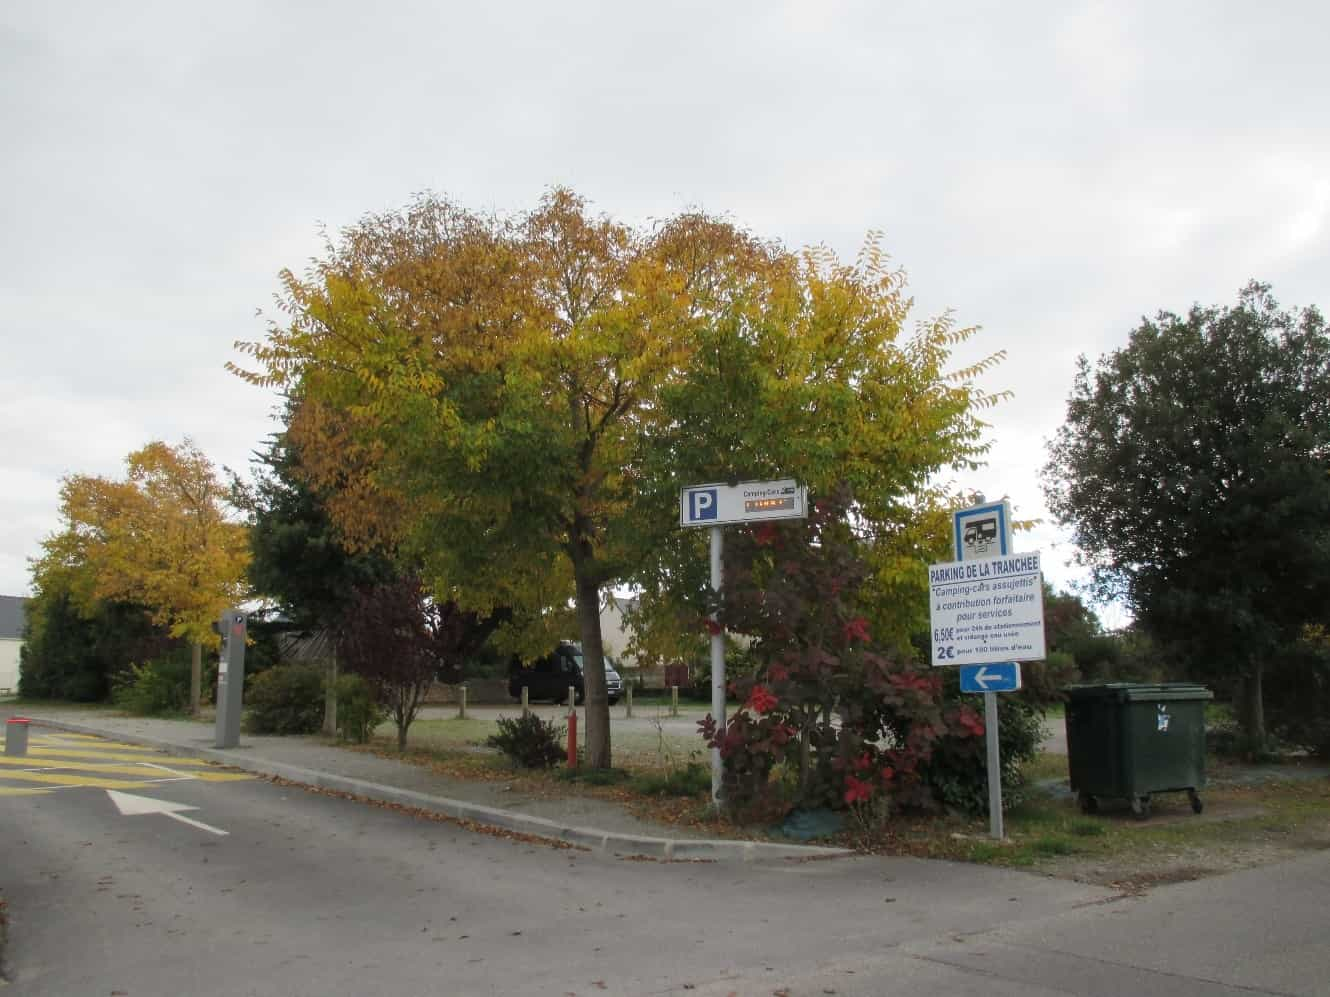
[[1046, 765], [1044, 833], [691, 780]]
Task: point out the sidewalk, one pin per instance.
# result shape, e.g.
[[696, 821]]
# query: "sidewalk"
[[602, 825]]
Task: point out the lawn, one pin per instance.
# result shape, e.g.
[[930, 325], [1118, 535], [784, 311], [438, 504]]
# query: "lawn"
[[652, 741]]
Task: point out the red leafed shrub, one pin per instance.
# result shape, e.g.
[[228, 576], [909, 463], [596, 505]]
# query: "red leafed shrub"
[[853, 725]]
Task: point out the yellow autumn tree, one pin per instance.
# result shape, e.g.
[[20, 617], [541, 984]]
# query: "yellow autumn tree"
[[162, 537]]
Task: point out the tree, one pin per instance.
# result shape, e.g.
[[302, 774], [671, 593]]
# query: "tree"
[[161, 538], [298, 557], [75, 650], [524, 396], [1194, 471], [399, 639]]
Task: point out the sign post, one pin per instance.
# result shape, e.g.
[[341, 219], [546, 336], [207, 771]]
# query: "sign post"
[[714, 506], [987, 606]]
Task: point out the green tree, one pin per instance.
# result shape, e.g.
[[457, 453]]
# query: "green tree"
[[518, 400], [298, 557], [1194, 471], [74, 650]]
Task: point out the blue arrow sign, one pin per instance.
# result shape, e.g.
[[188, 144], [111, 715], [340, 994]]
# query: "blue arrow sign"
[[1005, 677]]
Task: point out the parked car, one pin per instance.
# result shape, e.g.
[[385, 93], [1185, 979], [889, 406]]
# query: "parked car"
[[550, 676]]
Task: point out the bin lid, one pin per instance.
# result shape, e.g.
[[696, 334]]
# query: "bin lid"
[[1134, 692], [19, 720]]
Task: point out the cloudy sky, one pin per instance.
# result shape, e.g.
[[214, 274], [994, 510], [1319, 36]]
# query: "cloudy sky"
[[1049, 171]]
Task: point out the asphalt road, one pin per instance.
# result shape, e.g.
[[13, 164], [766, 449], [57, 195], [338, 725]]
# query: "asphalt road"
[[307, 894]]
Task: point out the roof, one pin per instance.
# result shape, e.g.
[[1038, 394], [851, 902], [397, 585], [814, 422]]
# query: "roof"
[[11, 616]]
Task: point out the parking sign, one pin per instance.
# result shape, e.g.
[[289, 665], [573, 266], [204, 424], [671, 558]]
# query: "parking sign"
[[746, 502]]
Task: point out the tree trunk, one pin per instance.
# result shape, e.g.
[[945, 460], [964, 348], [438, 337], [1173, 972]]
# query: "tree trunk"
[[195, 677], [401, 736], [1253, 706], [593, 668], [330, 697]]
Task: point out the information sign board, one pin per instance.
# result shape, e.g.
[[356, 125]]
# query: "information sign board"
[[987, 611]]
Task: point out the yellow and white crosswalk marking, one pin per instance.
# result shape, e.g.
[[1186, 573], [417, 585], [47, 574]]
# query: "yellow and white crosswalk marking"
[[61, 760]]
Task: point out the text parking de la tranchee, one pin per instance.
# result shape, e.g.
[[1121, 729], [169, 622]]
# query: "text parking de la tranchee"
[[995, 568]]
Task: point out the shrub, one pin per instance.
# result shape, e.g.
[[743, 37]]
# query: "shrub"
[[358, 712], [154, 688], [529, 741], [286, 699], [1042, 682], [1297, 695], [957, 771]]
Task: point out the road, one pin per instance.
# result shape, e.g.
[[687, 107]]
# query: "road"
[[307, 894]]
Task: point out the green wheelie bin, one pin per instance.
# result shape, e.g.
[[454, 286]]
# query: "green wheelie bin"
[[1129, 741]]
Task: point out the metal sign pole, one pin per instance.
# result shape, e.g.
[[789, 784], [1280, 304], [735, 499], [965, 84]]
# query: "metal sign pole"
[[713, 506], [717, 664], [995, 829], [1002, 534]]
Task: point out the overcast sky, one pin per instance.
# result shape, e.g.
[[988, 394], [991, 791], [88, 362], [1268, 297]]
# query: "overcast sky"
[[1049, 171]]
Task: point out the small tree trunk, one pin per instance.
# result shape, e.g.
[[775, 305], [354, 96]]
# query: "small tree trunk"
[[195, 677], [401, 736], [330, 698], [593, 670], [1253, 706]]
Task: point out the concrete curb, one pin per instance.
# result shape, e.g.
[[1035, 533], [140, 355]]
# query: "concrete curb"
[[665, 849]]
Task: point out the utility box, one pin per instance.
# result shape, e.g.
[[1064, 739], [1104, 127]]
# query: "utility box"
[[230, 678], [1129, 741]]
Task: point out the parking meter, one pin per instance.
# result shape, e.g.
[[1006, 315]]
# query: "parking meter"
[[230, 678]]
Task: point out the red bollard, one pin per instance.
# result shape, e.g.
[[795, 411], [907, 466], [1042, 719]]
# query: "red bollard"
[[572, 739]]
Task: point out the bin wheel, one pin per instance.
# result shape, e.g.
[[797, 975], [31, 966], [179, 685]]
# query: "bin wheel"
[[1088, 804], [1140, 806], [1196, 805]]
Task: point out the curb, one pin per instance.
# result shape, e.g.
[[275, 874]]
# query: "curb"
[[607, 842]]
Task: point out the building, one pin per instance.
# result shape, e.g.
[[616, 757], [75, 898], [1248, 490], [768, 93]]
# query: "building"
[[614, 633], [11, 640]]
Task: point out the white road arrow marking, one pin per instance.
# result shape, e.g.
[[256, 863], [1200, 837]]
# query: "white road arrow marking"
[[982, 678], [130, 805]]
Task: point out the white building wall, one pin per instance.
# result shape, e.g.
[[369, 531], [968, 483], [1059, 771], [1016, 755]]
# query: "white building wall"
[[9, 665], [613, 634]]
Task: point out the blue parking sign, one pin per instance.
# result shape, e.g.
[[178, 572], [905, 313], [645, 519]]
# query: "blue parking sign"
[[702, 505]]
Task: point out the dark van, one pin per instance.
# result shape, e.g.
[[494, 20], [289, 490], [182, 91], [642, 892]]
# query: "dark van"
[[550, 676]]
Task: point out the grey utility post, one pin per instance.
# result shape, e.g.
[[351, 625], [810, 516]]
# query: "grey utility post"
[[713, 506], [230, 678]]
